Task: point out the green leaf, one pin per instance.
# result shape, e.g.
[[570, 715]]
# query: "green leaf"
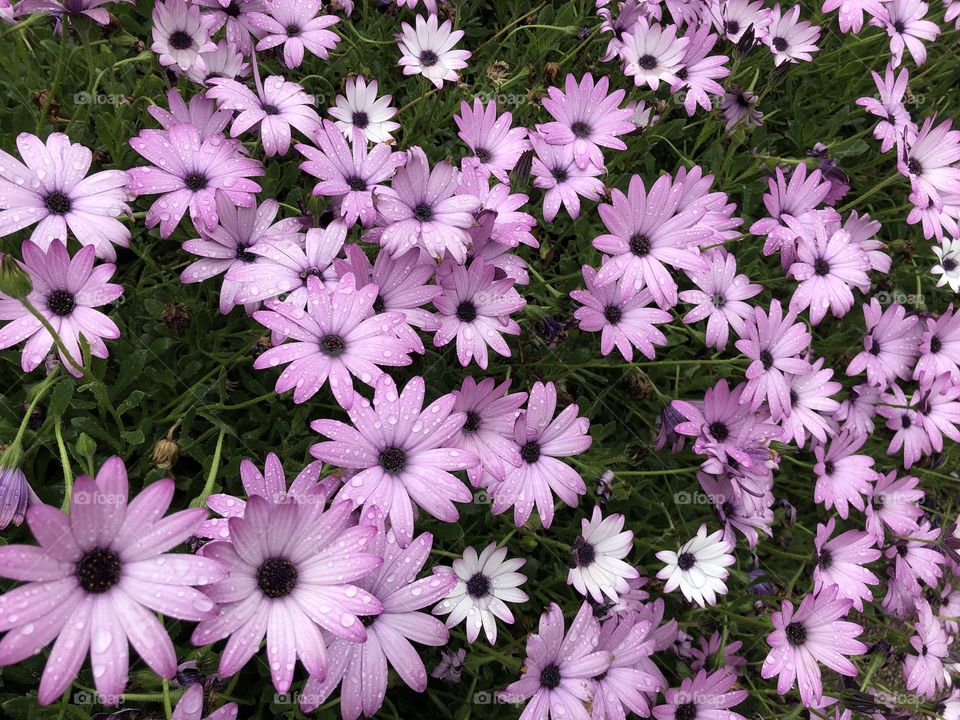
[[60, 397]]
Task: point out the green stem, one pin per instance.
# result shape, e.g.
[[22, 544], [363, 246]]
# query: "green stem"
[[42, 388], [167, 708], [65, 462], [57, 77], [875, 189], [212, 475]]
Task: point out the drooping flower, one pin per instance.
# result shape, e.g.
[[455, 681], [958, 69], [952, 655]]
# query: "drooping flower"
[[65, 291], [180, 33], [708, 654], [237, 17], [720, 299], [596, 557], [485, 583], [225, 62], [53, 188], [703, 696], [400, 453], [924, 671], [699, 73], [555, 170], [295, 25], [428, 50], [840, 561], [739, 104], [494, 143], [888, 105], [293, 574], [698, 567], [96, 580], [359, 108], [15, 495], [791, 39]]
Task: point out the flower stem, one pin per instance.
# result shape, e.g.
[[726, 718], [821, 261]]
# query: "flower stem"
[[57, 76], [212, 475], [167, 708], [65, 462], [47, 383]]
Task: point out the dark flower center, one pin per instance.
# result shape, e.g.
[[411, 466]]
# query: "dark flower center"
[[582, 553], [367, 620], [821, 267], [428, 58], [378, 306], [640, 245], [473, 421], [98, 570], [681, 73], [180, 40], [719, 430], [875, 347], [780, 44], [58, 203], [728, 509], [824, 558], [466, 311], [478, 586], [310, 272], [61, 302], [580, 129], [913, 165], [423, 212], [613, 314], [292, 30], [733, 27], [686, 561], [719, 301], [899, 26], [269, 109], [905, 421], [550, 676], [935, 344], [766, 359], [393, 460], [560, 174], [647, 62], [195, 181], [332, 345], [686, 711], [828, 467], [483, 155], [277, 577], [360, 119], [949, 264], [232, 10], [357, 184], [901, 549], [530, 452], [796, 634], [793, 397], [244, 255]]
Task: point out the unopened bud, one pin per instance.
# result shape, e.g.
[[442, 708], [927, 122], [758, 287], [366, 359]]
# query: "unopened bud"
[[165, 453], [14, 281]]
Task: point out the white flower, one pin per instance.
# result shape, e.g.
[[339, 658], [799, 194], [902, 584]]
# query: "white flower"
[[698, 568], [596, 556], [948, 265], [428, 50], [485, 585], [360, 108]]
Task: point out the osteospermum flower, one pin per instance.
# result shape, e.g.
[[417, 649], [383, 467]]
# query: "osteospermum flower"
[[277, 106], [15, 495], [587, 117], [843, 477], [622, 315], [475, 309], [791, 39], [225, 62], [628, 682], [190, 707], [559, 670], [201, 112], [295, 25], [96, 580], [703, 696], [283, 585], [555, 170], [237, 18], [652, 54], [840, 561], [698, 567], [939, 347], [851, 12], [186, 171], [929, 158], [811, 405], [596, 557], [699, 73], [924, 671], [948, 263], [428, 50], [361, 669], [72, 9], [894, 504], [52, 188], [543, 439], [739, 104], [400, 453], [904, 23], [338, 337], [180, 33], [888, 105], [720, 299], [485, 583], [65, 291], [494, 143], [359, 108], [890, 345]]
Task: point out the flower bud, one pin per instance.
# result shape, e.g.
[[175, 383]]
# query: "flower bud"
[[14, 281]]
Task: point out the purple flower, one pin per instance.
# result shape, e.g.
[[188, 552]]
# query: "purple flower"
[[543, 439], [349, 176], [190, 707], [559, 670], [924, 671], [906, 422], [224, 62], [237, 15], [96, 580], [587, 118], [52, 188], [651, 53], [475, 309], [71, 8], [421, 209], [495, 145], [940, 348], [338, 337], [851, 12], [811, 405], [904, 23], [555, 170], [295, 25], [359, 108], [888, 105], [929, 158], [709, 654], [939, 408], [622, 315], [293, 572], [919, 553], [739, 104], [890, 345], [499, 217], [789, 38], [401, 452], [428, 50], [186, 171], [894, 504], [720, 299], [276, 107], [703, 696], [840, 562], [843, 477], [15, 495], [65, 291], [180, 33], [361, 670], [700, 72], [625, 685], [202, 113]]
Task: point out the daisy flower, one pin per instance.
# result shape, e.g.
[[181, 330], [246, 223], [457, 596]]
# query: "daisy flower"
[[180, 33], [338, 337], [499, 217], [720, 299], [948, 263], [295, 25], [906, 422], [708, 655], [929, 158], [400, 452], [225, 62], [939, 347], [72, 9], [51, 187], [698, 567], [494, 143], [652, 54], [904, 23], [840, 562], [361, 669], [15, 493], [186, 172], [237, 16], [277, 106], [920, 554], [281, 586], [843, 477], [858, 411], [559, 670], [554, 169], [190, 707], [543, 440], [739, 104], [65, 291], [96, 581], [587, 117], [888, 105], [596, 557], [359, 108], [699, 73], [428, 50], [790, 205], [851, 12], [475, 309], [703, 696], [735, 17], [485, 583], [623, 316], [890, 345], [811, 405], [810, 635], [789, 38], [924, 671], [201, 113], [627, 684]]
